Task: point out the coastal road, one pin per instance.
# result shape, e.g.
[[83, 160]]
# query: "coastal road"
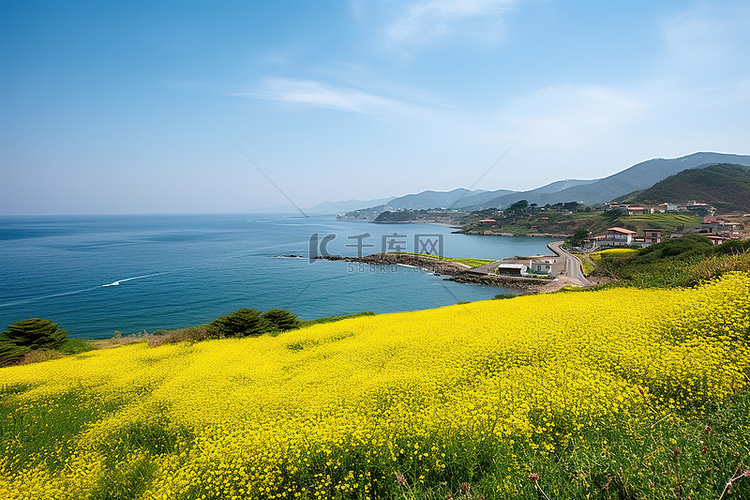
[[572, 265]]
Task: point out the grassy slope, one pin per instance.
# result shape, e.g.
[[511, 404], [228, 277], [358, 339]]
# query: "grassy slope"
[[469, 261], [596, 223], [684, 261], [484, 393]]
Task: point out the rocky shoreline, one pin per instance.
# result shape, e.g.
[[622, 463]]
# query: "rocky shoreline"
[[491, 233], [527, 285], [460, 273], [434, 265]]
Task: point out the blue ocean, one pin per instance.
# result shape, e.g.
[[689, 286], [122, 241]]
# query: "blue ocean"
[[97, 275]]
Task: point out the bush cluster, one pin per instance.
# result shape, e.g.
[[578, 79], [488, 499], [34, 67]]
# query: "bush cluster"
[[252, 323], [29, 335], [685, 261]]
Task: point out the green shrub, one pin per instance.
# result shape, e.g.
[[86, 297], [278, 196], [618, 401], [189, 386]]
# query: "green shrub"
[[281, 319], [75, 346], [36, 333], [684, 261], [10, 353], [242, 323], [732, 247]]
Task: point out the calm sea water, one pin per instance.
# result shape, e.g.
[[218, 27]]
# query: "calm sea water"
[[99, 274]]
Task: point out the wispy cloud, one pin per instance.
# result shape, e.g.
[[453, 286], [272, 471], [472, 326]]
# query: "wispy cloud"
[[428, 20], [706, 37], [321, 95], [571, 116]]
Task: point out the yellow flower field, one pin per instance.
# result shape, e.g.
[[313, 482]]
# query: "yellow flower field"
[[597, 256], [336, 410]]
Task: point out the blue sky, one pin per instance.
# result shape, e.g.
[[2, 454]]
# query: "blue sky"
[[163, 106]]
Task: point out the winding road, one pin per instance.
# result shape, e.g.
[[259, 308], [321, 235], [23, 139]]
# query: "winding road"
[[572, 265]]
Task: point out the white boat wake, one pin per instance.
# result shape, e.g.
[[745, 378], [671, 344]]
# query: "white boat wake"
[[74, 292], [116, 283]]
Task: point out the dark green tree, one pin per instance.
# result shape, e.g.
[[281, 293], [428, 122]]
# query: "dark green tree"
[[281, 319], [578, 238], [36, 333], [242, 323], [10, 353], [518, 206]]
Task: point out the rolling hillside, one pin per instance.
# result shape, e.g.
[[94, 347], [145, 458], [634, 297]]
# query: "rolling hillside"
[[642, 389], [640, 176], [725, 186], [434, 199]]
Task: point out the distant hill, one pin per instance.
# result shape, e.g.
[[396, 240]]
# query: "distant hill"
[[473, 198], [482, 200], [433, 199], [640, 176], [333, 207], [557, 186], [725, 186]]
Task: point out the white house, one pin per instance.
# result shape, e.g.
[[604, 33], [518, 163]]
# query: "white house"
[[542, 265], [512, 269], [618, 237]]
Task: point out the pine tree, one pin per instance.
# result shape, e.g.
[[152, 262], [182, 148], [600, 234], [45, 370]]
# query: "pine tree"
[[281, 319], [10, 353], [36, 333], [242, 323]]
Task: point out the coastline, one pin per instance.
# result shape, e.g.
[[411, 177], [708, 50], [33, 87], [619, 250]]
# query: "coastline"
[[532, 235], [460, 273]]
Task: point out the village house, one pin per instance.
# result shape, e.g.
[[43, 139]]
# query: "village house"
[[617, 237], [651, 236], [671, 207], [718, 240], [714, 226], [542, 265]]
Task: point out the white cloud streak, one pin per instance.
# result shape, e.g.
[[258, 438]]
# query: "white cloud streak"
[[321, 95], [705, 37], [429, 20]]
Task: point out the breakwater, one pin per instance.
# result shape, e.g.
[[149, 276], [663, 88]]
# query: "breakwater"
[[454, 271]]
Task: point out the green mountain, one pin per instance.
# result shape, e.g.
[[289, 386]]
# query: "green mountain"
[[725, 186], [638, 176]]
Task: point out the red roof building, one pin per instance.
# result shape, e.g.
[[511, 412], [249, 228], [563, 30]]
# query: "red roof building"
[[618, 237]]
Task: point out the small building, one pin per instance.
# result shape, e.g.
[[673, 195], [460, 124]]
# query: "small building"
[[487, 221], [669, 207], [618, 237], [652, 236], [637, 210], [542, 265], [511, 269], [719, 227], [718, 240]]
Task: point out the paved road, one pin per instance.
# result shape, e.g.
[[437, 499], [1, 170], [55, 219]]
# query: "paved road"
[[572, 265]]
